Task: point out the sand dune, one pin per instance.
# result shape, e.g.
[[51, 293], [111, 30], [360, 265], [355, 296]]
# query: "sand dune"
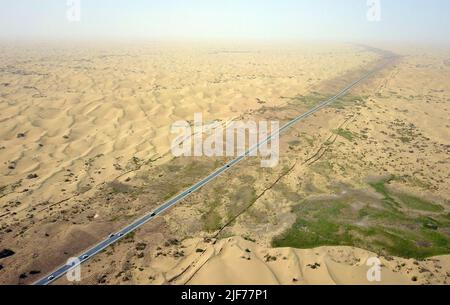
[[84, 136], [241, 262], [77, 117]]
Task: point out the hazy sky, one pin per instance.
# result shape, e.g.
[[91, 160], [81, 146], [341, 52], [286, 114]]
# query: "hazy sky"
[[342, 20]]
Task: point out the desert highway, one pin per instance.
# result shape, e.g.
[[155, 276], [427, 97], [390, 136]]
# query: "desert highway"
[[115, 237]]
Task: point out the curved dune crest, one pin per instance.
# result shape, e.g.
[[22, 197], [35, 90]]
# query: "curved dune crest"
[[235, 261]]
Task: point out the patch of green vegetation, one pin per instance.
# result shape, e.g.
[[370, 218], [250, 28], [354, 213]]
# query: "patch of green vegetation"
[[409, 201], [239, 199], [380, 187], [379, 214], [375, 226], [419, 204], [395, 243], [212, 221], [428, 223], [342, 102], [310, 234], [437, 239], [309, 101], [346, 134], [315, 98], [224, 206]]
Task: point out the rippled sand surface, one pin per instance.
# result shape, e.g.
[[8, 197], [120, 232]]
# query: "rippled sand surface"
[[75, 116]]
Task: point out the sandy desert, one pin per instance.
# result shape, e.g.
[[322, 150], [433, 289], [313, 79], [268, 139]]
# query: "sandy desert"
[[85, 150]]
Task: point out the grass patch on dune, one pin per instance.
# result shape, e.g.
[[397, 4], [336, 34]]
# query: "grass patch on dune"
[[370, 223], [308, 101], [348, 100], [310, 234], [381, 188], [419, 204], [315, 98], [212, 221], [344, 133], [398, 199]]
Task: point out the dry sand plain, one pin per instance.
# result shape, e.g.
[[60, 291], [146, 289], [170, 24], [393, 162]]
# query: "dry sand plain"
[[84, 142]]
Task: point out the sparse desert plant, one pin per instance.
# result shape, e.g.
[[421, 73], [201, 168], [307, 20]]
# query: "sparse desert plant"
[[345, 133]]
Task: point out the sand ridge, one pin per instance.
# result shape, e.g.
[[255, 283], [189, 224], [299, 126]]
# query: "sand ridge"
[[238, 261], [74, 118]]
